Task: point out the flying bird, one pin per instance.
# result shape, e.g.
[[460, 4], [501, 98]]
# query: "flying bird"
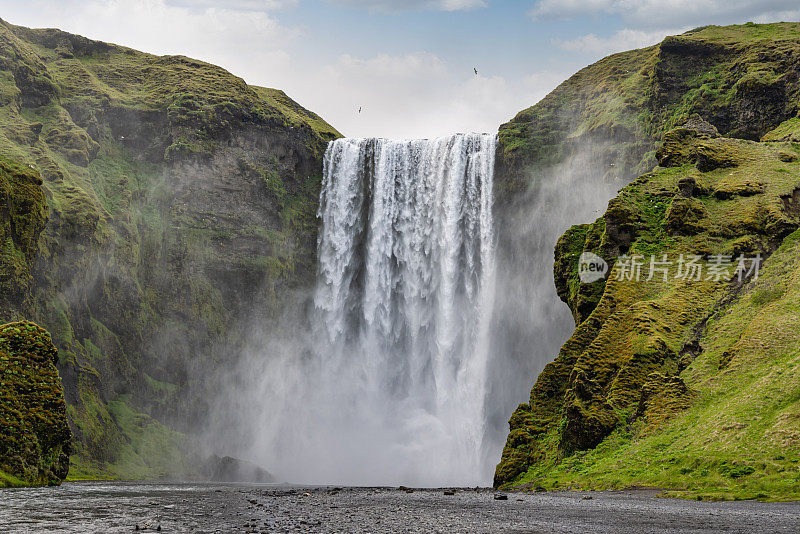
[[359, 109], [476, 70]]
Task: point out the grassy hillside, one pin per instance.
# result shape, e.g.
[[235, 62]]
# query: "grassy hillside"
[[598, 131], [174, 209], [739, 78], [680, 384]]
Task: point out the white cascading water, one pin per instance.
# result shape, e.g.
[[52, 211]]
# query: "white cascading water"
[[393, 382], [402, 304]]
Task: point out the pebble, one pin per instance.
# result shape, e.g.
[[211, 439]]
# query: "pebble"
[[357, 510]]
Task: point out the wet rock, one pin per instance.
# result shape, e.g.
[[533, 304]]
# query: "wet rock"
[[228, 469]]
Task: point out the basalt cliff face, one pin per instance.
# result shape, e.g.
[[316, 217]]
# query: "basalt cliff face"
[[668, 381], [153, 209]]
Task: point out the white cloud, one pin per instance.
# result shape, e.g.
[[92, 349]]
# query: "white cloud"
[[384, 67], [247, 42], [420, 95], [541, 83], [413, 94], [161, 27], [235, 5], [650, 13], [392, 6], [622, 40]]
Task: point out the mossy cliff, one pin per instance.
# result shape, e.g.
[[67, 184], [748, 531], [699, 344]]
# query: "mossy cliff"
[[597, 132], [687, 384], [153, 210], [23, 216], [742, 79], [34, 435]]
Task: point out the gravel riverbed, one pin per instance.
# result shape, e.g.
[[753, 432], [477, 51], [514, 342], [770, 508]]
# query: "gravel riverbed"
[[126, 507]]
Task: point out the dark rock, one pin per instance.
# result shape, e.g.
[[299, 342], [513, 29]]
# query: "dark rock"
[[701, 126], [686, 186], [500, 497], [228, 469]]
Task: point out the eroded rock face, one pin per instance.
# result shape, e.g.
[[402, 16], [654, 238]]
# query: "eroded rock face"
[[163, 207], [23, 216], [624, 366], [34, 435]]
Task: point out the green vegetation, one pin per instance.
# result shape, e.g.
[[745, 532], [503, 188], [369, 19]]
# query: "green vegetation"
[[24, 217], [154, 202], [34, 435], [679, 384], [738, 78]]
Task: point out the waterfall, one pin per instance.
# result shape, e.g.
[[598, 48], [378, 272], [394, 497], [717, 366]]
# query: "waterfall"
[[401, 311], [408, 356]]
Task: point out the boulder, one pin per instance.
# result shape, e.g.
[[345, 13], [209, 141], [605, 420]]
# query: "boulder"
[[34, 434]]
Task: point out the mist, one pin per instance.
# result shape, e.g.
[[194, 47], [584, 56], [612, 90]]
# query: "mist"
[[529, 321], [431, 317]]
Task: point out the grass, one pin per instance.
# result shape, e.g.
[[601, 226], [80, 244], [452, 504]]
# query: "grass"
[[137, 269], [740, 440], [630, 99], [728, 427], [10, 481]]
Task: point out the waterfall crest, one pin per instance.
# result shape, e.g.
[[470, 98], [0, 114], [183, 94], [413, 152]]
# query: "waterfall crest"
[[404, 290]]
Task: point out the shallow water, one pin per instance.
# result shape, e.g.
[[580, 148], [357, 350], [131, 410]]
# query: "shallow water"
[[121, 507]]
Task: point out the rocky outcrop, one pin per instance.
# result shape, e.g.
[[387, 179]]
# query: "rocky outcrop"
[[597, 132], [172, 207], [681, 106], [641, 355], [34, 435], [23, 216], [228, 469]]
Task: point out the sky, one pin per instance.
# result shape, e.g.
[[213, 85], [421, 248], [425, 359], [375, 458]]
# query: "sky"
[[408, 65]]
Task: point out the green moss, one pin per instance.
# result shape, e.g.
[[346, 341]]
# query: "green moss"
[[150, 450], [788, 130], [616, 109], [34, 436], [140, 223], [678, 384], [23, 216]]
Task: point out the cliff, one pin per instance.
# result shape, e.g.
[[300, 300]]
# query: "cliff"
[[154, 209], [34, 435], [670, 381]]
